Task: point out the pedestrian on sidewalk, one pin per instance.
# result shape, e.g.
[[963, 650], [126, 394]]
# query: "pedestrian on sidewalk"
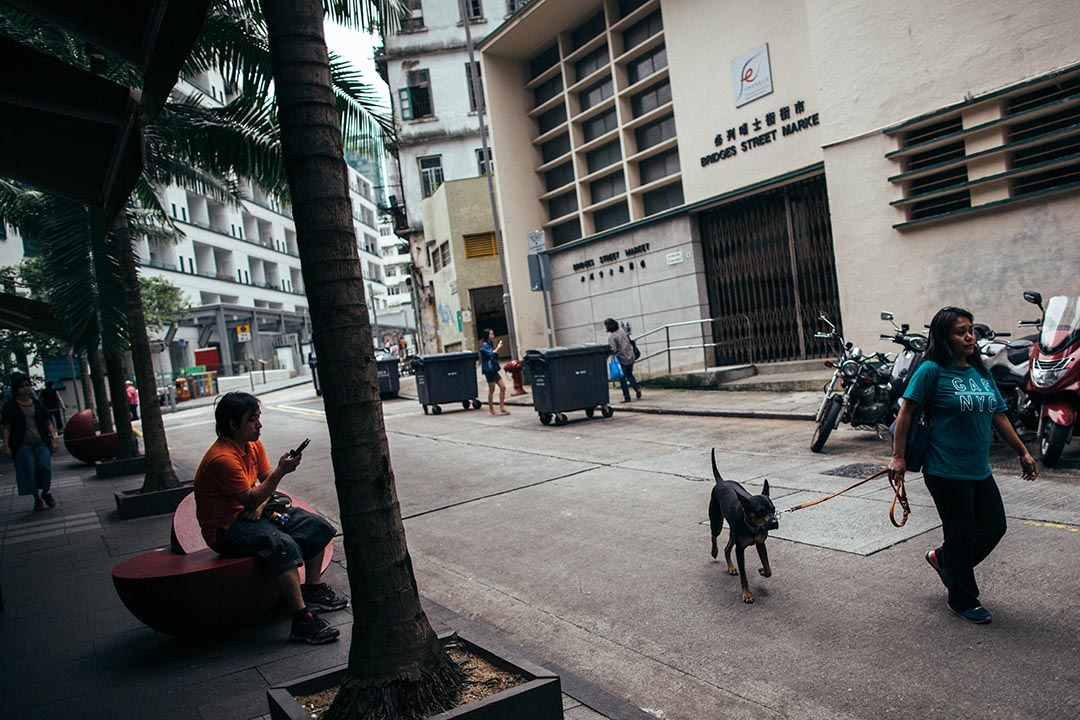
[[623, 351], [29, 440], [489, 365], [954, 385], [132, 399], [54, 403], [233, 488]]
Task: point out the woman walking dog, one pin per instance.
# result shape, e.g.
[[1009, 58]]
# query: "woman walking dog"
[[961, 397]]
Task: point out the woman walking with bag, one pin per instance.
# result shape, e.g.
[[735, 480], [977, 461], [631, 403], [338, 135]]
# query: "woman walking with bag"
[[29, 440], [958, 391], [624, 353]]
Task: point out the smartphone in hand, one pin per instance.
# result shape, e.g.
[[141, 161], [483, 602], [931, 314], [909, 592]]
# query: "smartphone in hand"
[[299, 448]]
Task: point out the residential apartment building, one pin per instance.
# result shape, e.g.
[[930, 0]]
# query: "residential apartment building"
[[759, 165], [426, 66]]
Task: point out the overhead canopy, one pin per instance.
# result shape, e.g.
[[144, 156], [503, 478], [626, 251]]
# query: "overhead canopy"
[[19, 313], [77, 135]]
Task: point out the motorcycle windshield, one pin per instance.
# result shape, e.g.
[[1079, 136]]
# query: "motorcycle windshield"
[[1061, 323]]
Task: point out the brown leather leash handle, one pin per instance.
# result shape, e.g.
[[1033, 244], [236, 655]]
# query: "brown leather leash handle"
[[899, 495]]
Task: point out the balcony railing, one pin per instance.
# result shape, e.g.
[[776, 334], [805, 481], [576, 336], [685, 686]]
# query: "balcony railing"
[[219, 231], [159, 265]]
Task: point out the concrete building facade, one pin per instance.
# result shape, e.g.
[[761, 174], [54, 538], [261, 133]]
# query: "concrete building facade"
[[762, 165]]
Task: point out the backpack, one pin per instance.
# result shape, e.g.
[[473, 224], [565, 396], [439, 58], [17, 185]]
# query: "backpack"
[[633, 346]]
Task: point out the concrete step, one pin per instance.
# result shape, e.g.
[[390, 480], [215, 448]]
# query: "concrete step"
[[796, 376]]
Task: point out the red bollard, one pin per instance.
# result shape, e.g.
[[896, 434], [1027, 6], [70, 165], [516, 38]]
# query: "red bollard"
[[514, 367]]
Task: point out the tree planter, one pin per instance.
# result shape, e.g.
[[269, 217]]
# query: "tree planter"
[[134, 504], [539, 698], [116, 468]]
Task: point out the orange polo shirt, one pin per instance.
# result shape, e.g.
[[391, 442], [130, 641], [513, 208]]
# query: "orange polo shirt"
[[227, 468]]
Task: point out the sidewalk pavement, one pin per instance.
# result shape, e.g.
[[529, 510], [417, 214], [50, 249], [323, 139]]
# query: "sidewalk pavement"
[[70, 649]]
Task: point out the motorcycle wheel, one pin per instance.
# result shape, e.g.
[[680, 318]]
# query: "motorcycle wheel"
[[825, 426], [1052, 442]]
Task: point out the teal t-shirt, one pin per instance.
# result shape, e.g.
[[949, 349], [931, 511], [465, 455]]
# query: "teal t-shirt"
[[964, 404]]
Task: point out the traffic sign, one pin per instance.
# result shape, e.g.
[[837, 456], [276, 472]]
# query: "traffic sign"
[[243, 333]]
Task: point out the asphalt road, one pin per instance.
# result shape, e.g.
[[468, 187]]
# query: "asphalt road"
[[589, 545]]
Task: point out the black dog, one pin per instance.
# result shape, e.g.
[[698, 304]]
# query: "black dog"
[[750, 517]]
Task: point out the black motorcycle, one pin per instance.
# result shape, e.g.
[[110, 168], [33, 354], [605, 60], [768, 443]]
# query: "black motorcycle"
[[870, 385]]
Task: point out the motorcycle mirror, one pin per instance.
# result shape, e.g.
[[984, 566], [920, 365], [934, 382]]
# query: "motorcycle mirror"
[[886, 315], [1034, 298]]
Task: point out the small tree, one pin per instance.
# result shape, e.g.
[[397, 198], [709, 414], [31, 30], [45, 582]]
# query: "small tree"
[[163, 302]]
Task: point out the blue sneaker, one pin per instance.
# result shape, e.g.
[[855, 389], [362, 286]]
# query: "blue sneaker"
[[978, 614]]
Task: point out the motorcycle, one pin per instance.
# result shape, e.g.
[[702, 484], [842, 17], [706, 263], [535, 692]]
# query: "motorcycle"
[[871, 384], [1007, 361], [1055, 372], [906, 362]]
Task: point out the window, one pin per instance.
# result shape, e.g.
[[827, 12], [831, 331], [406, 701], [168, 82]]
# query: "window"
[[628, 6], [663, 198], [566, 232], [607, 187], [556, 147], [444, 253], [183, 213], [642, 30], [481, 166], [652, 98], [587, 30], [655, 132], [552, 118], [612, 216], [174, 210], [644, 66], [592, 62], [562, 205], [595, 94], [1044, 152], [416, 97], [431, 175], [603, 156], [658, 166], [415, 21], [481, 245], [548, 90], [558, 177], [475, 10], [476, 91], [599, 125], [543, 61]]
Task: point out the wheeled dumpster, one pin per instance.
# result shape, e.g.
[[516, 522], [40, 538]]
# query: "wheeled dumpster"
[[446, 378], [569, 378], [389, 381]]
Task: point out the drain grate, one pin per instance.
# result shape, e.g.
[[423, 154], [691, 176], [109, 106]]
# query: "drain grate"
[[855, 470]]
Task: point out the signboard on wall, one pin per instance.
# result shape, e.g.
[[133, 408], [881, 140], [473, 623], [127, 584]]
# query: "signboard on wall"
[[751, 75], [243, 333]]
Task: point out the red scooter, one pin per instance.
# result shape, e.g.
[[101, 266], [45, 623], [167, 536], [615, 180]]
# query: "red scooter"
[[1055, 372]]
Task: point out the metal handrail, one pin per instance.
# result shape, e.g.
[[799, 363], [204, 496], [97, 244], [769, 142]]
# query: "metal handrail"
[[703, 346]]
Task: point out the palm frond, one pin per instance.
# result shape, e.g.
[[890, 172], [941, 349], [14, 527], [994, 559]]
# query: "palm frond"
[[233, 42], [365, 115], [379, 16]]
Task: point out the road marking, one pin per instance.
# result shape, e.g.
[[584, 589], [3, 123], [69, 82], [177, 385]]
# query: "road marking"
[[211, 421], [1056, 526], [298, 411]]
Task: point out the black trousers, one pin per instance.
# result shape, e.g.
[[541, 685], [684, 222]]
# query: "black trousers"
[[973, 521]]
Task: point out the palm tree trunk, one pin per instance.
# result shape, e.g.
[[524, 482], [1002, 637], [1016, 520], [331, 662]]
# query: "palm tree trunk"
[[160, 474], [87, 384], [396, 665], [101, 400], [125, 438]]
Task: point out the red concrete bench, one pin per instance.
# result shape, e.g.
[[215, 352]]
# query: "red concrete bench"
[[188, 589], [86, 445]]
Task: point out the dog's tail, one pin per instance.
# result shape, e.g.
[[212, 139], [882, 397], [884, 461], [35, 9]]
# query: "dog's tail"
[[715, 471]]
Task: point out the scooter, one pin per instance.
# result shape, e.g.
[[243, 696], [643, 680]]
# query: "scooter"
[[1007, 361], [1055, 372]]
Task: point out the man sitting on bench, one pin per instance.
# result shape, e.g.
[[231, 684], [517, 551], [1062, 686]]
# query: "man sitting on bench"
[[233, 485]]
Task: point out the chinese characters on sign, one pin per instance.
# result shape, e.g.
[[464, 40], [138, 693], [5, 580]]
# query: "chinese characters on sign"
[[788, 120]]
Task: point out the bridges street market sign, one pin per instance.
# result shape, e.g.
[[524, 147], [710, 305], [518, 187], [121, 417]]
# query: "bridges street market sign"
[[762, 130]]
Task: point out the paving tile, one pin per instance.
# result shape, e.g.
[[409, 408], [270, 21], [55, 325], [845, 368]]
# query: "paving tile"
[[242, 705]]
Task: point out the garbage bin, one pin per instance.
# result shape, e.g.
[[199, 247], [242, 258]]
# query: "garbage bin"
[[389, 381], [569, 378], [446, 378]]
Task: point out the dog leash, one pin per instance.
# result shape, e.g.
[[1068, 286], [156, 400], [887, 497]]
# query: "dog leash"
[[899, 496]]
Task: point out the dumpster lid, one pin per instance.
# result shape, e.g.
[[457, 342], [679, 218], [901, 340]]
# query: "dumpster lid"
[[446, 357], [584, 349]]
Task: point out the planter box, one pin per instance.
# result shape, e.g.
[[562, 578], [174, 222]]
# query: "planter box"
[[539, 698], [134, 504], [116, 468]]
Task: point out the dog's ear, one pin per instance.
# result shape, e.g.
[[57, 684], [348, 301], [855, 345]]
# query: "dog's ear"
[[745, 503], [765, 490], [715, 471]]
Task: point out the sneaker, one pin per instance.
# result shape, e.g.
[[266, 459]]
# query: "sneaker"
[[39, 504], [312, 629], [638, 394], [625, 400], [49, 499], [322, 597], [978, 614], [935, 562]]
